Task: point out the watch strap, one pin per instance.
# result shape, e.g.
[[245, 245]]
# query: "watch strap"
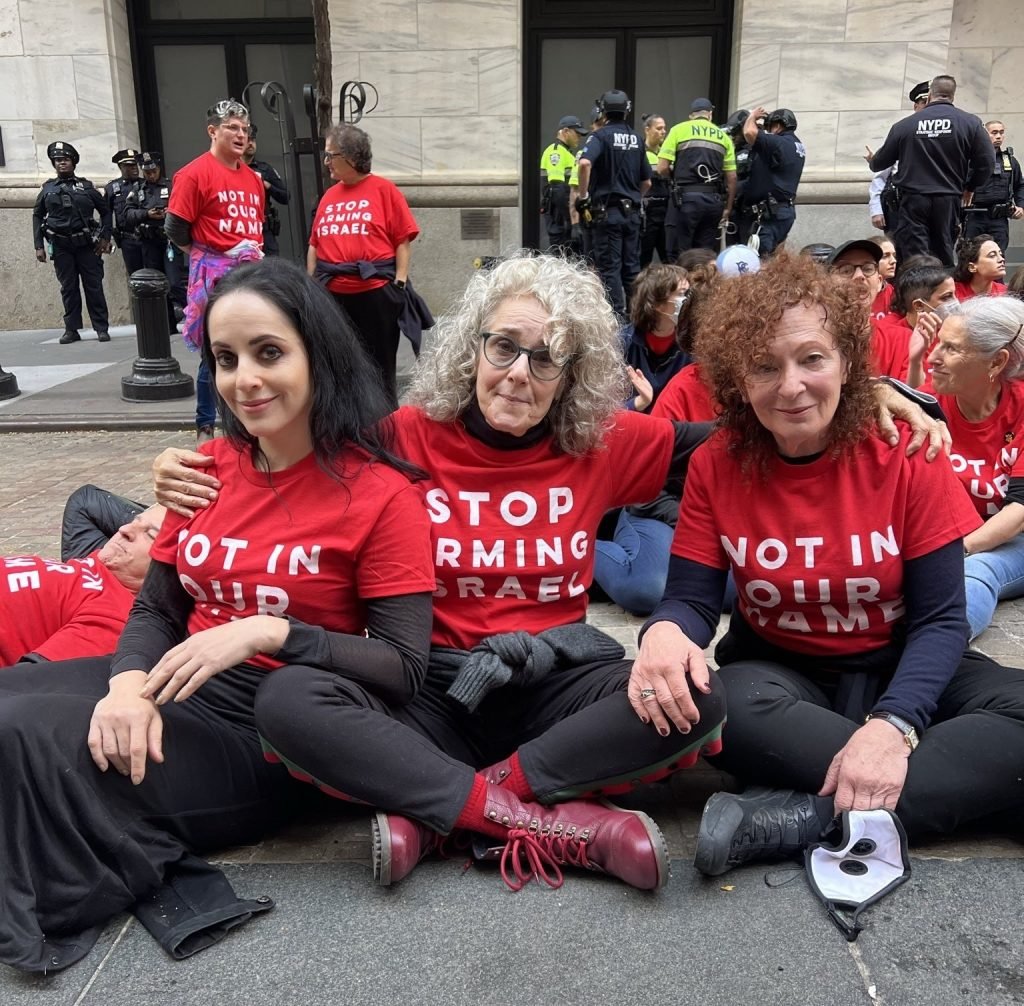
[[908, 730]]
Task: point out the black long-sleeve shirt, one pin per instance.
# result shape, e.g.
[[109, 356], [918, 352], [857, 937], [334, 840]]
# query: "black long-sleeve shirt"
[[66, 206]]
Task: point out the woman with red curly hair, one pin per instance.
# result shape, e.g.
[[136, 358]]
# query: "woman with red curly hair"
[[847, 642]]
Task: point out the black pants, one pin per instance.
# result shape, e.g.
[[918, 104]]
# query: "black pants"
[[374, 316], [693, 222], [653, 239], [134, 256], [981, 223], [71, 265], [927, 225], [574, 730], [785, 727], [78, 845], [616, 249], [775, 230]]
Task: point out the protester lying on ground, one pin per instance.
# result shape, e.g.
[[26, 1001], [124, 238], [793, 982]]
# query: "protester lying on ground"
[[980, 268], [848, 561], [516, 416], [55, 609], [91, 517], [975, 369], [316, 552]]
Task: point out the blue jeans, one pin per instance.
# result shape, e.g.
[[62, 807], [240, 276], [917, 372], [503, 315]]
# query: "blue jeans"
[[993, 577], [632, 568], [206, 402]]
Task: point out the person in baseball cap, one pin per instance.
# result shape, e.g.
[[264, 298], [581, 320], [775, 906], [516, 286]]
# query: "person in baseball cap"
[[857, 262], [701, 105], [574, 123], [556, 167]]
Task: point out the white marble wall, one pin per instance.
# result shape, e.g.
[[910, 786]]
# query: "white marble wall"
[[449, 82], [73, 84]]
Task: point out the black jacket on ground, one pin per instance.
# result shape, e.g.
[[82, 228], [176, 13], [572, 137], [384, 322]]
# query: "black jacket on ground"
[[942, 150]]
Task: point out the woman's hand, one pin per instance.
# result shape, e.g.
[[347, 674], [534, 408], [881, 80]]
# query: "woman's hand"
[[667, 657], [644, 391], [890, 405], [869, 772], [125, 728], [185, 667], [179, 484]]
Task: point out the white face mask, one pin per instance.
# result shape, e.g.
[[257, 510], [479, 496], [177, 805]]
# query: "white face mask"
[[865, 860], [677, 302], [946, 308]]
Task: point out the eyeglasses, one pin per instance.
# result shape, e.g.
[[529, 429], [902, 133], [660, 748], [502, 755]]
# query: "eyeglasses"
[[847, 269], [328, 156], [502, 351]]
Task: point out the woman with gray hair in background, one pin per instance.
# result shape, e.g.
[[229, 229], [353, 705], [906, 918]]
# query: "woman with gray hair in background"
[[359, 249], [976, 368]]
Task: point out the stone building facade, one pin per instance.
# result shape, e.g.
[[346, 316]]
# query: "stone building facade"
[[451, 123]]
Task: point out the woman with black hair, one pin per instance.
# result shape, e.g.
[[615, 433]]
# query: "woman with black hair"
[[315, 553], [980, 268]]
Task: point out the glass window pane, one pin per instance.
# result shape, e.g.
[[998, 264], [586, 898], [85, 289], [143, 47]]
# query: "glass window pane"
[[670, 73], [189, 78], [203, 10]]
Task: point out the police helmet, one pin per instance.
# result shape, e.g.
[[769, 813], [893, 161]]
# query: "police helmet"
[[61, 148], [734, 124], [615, 102], [784, 117]]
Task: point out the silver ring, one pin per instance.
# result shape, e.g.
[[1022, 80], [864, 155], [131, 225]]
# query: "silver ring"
[[647, 693]]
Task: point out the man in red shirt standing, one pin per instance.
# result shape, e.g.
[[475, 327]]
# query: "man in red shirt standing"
[[215, 216]]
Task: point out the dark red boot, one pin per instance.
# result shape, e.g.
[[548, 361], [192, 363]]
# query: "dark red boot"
[[592, 836], [399, 843]]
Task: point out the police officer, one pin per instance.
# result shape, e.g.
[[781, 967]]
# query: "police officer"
[[614, 175], [945, 156], [655, 203], [776, 163], [276, 190], [701, 161], [64, 216], [116, 192], [1002, 197], [556, 167], [582, 235], [144, 214], [733, 126], [883, 192]]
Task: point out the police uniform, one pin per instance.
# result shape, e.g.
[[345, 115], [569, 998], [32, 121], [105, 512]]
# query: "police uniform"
[[556, 168], [618, 170], [655, 203], [994, 202], [157, 252], [271, 218], [942, 151], [116, 192], [734, 127], [700, 154], [64, 216], [776, 164]]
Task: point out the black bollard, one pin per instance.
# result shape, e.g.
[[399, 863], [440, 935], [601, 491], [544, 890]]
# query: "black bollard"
[[8, 385], [156, 376]]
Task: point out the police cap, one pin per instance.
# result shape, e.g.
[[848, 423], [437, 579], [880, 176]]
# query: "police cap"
[[572, 122], [701, 105], [615, 101], [150, 159], [920, 91], [734, 124], [783, 116], [61, 148], [123, 156]]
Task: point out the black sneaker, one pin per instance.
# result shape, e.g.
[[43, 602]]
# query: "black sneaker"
[[760, 824], [204, 433], [69, 336], [103, 336]]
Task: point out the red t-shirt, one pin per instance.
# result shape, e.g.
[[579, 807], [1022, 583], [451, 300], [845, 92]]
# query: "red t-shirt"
[[513, 532], [817, 551], [223, 206], [890, 346], [964, 291], [59, 609], [987, 454], [883, 301], [686, 398], [310, 547], [368, 220]]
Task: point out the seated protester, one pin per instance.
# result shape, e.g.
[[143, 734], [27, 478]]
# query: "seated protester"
[[316, 552], [977, 373], [696, 258], [91, 517], [1015, 288], [53, 610], [649, 342], [858, 262], [846, 675], [980, 268], [924, 296], [820, 251], [887, 273]]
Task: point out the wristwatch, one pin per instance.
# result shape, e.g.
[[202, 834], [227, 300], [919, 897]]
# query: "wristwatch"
[[399, 283], [908, 730]]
